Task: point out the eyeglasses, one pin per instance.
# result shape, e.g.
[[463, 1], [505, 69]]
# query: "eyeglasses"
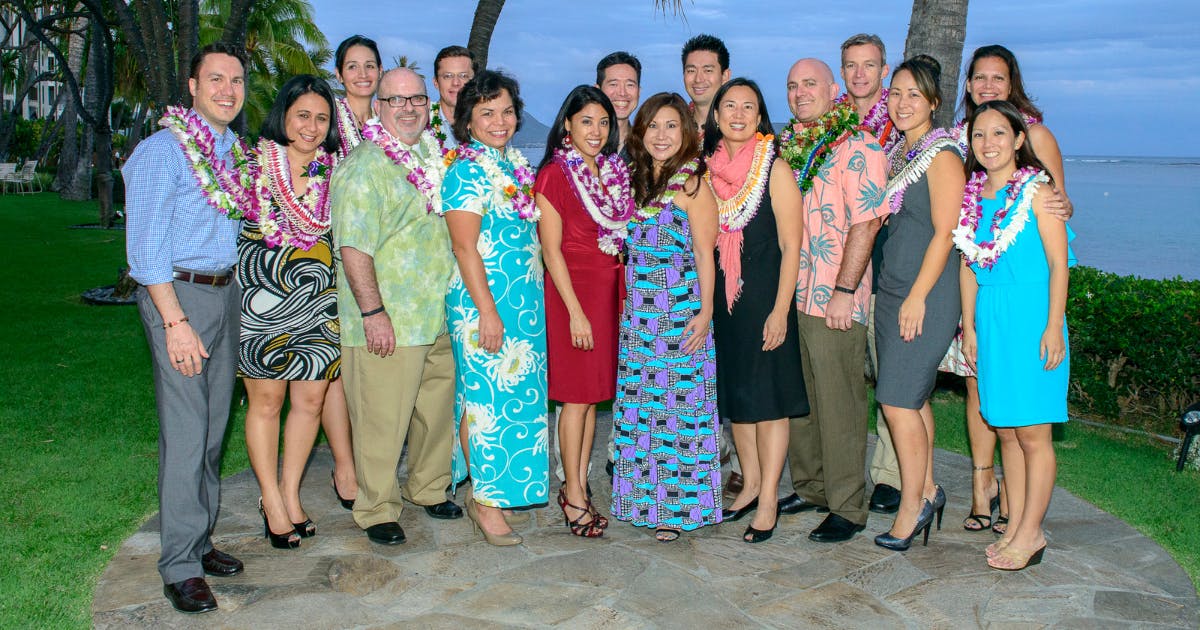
[[417, 100], [462, 76]]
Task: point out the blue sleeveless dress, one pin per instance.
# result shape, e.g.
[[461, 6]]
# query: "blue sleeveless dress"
[[1015, 390]]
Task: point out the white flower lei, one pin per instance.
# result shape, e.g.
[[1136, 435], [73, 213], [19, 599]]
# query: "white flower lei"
[[610, 187], [347, 126], [915, 167], [228, 190], [1021, 191], [736, 212], [505, 188]]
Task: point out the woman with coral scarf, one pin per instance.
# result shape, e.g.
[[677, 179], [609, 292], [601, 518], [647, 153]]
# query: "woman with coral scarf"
[[759, 379]]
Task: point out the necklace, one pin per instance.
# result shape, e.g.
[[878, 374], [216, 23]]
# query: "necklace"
[[605, 195], [516, 189], [664, 199], [424, 173], [299, 221], [807, 148], [877, 121], [227, 190], [1021, 188], [736, 212], [347, 126], [910, 166], [435, 124]]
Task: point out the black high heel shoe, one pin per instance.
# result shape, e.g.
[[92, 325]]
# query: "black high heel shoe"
[[346, 503], [939, 504], [278, 541], [734, 515], [924, 523], [307, 529], [753, 535]]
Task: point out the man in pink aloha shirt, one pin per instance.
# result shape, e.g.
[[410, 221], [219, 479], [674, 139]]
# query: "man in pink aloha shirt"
[[842, 214]]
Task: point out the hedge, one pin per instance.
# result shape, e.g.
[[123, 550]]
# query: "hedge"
[[1135, 347]]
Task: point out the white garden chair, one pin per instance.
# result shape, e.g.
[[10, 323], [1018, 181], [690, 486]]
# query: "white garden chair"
[[26, 178], [8, 173]]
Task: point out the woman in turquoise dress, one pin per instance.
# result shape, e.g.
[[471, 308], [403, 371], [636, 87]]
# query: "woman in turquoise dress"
[[494, 311], [1014, 295]]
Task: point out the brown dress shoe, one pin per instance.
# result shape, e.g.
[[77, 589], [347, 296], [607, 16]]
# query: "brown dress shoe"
[[733, 485], [190, 596]]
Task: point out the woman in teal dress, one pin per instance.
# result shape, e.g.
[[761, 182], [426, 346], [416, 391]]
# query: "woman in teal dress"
[[494, 311], [1014, 295]]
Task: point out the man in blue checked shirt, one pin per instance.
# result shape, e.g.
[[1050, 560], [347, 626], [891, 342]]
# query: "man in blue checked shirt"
[[181, 242]]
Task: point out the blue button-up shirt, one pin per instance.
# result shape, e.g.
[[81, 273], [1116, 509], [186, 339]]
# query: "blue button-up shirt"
[[168, 220]]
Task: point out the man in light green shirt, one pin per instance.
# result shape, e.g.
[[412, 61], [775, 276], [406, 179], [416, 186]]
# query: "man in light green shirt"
[[396, 265]]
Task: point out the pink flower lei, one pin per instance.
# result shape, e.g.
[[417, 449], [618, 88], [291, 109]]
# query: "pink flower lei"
[[292, 221], [607, 198], [425, 174], [1021, 188], [228, 190], [516, 189], [674, 185]]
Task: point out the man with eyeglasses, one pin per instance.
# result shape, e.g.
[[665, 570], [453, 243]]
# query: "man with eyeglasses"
[[452, 68], [396, 268]]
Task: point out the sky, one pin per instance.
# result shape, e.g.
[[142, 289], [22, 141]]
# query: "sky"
[[1112, 76]]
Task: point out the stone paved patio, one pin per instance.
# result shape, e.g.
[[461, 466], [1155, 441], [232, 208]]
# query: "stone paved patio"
[[1098, 572]]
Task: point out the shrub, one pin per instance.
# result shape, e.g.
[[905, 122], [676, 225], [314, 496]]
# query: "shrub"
[[1135, 347]]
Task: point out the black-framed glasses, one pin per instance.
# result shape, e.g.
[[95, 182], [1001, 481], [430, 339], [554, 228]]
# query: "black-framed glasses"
[[418, 100]]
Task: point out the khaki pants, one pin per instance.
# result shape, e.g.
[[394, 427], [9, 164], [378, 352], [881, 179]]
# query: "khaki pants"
[[828, 447], [885, 468], [409, 395]]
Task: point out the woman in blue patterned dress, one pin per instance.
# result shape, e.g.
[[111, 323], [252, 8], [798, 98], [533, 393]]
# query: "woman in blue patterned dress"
[[494, 311], [667, 473]]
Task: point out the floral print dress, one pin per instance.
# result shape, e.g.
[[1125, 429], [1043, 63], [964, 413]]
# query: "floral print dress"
[[502, 396]]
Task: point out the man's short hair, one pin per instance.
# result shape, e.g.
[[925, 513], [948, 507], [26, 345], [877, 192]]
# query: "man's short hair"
[[454, 51], [709, 43], [214, 48], [863, 39], [615, 59]]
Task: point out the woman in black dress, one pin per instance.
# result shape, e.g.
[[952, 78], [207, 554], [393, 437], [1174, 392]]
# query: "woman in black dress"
[[760, 383]]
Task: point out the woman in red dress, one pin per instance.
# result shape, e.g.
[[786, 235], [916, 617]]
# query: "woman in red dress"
[[583, 192]]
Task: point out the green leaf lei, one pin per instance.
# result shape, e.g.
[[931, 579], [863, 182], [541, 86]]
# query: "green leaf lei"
[[806, 150], [435, 123]]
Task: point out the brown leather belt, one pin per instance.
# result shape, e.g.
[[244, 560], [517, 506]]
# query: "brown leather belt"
[[199, 278]]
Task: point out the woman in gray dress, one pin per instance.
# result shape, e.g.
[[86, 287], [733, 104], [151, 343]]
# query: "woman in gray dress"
[[917, 306]]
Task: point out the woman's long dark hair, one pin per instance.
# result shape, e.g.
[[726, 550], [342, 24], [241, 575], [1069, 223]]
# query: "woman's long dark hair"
[[645, 185], [1016, 120], [1016, 86], [712, 134], [580, 97]]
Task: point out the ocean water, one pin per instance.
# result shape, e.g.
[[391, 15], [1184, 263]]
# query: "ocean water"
[[1136, 216], [1133, 215]]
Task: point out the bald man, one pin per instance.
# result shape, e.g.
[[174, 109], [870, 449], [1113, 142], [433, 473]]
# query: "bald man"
[[396, 268], [843, 206]]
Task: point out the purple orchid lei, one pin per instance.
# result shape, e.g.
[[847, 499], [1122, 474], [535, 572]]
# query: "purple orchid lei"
[[424, 174], [607, 198]]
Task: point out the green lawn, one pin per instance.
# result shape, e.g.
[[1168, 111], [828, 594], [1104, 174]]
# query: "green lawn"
[[79, 422]]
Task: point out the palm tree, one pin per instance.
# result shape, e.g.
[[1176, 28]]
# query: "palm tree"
[[937, 28]]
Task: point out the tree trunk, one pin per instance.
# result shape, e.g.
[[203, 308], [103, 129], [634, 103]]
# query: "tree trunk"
[[938, 28], [75, 146], [187, 31], [487, 13]]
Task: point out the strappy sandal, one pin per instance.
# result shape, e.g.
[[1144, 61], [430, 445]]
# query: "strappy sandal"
[[588, 529], [666, 534], [981, 522], [1001, 525]]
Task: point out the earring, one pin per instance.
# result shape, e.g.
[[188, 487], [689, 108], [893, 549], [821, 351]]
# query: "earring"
[[567, 140]]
